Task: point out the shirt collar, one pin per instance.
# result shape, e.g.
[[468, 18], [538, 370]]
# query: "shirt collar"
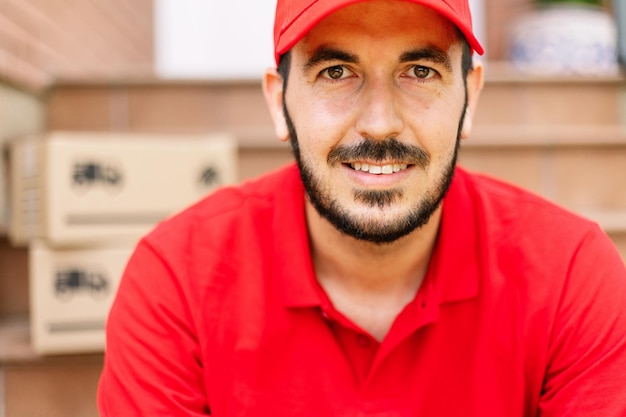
[[454, 268], [293, 267]]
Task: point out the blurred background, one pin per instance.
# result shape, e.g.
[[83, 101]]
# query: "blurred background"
[[107, 106]]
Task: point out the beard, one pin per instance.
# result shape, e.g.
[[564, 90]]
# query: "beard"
[[370, 229]]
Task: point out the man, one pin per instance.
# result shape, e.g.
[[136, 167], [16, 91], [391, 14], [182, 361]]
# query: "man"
[[374, 278]]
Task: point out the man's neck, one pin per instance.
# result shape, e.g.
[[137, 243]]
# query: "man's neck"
[[370, 283]]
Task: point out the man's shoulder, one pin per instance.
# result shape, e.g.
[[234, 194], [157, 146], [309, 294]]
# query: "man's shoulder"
[[524, 239], [232, 237], [522, 227]]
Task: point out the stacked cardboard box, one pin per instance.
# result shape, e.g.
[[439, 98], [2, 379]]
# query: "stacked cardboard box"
[[80, 201]]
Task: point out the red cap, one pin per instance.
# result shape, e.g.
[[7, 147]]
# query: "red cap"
[[295, 18]]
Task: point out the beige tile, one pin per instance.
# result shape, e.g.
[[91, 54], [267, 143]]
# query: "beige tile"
[[591, 177], [548, 102], [51, 390], [80, 108], [523, 166], [172, 108], [574, 104], [256, 161], [497, 105], [242, 106], [235, 107]]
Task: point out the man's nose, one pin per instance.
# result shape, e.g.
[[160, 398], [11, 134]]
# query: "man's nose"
[[379, 111]]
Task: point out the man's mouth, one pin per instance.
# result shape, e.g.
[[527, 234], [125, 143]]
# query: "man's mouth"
[[385, 169]]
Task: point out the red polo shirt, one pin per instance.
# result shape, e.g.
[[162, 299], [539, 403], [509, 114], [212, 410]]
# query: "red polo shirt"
[[522, 313]]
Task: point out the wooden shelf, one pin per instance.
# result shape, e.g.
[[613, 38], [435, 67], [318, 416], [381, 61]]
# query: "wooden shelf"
[[15, 347]]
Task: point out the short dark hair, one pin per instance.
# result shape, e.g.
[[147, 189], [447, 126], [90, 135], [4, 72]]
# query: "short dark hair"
[[467, 63]]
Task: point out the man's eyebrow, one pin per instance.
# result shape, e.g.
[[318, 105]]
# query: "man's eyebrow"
[[430, 53], [327, 54]]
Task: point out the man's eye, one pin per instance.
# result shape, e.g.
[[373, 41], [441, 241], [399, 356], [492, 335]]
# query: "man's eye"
[[423, 72], [336, 73]]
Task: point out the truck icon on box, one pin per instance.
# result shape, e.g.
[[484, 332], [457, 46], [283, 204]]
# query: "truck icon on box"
[[92, 173], [75, 280]]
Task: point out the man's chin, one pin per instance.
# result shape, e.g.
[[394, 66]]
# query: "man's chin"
[[380, 199], [372, 224]]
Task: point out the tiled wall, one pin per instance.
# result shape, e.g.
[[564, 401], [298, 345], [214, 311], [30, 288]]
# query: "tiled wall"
[[44, 40]]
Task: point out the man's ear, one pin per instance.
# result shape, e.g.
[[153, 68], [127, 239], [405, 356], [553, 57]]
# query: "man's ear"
[[273, 90], [475, 81]]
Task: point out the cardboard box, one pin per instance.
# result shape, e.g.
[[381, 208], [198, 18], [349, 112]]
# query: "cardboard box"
[[71, 291], [74, 188]]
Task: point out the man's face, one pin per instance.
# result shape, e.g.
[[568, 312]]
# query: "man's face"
[[374, 110]]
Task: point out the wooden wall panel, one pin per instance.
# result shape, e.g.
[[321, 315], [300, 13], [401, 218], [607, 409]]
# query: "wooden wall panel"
[[44, 40]]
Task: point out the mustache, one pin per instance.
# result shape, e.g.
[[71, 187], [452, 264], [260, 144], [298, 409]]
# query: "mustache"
[[379, 151]]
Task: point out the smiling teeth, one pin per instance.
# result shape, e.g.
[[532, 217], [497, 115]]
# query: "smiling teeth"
[[379, 169]]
